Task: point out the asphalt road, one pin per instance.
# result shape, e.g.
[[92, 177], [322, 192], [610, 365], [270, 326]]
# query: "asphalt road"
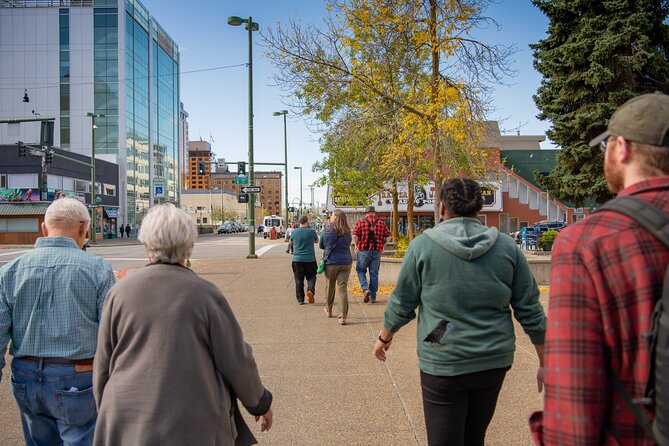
[[123, 254]]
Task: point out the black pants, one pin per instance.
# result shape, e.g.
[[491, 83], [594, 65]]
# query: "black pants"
[[300, 271], [458, 409]]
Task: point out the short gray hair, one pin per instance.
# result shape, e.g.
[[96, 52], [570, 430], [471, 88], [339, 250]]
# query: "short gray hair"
[[66, 213], [168, 234]]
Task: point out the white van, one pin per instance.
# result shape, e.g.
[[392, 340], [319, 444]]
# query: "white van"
[[274, 220]]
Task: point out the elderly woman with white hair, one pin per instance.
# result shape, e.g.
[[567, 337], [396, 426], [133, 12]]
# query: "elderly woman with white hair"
[[171, 360]]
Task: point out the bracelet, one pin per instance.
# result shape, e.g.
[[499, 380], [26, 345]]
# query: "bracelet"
[[384, 341]]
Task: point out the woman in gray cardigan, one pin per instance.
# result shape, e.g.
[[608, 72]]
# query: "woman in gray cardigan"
[[171, 361]]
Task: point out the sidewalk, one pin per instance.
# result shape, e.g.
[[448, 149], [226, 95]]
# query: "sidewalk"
[[328, 389]]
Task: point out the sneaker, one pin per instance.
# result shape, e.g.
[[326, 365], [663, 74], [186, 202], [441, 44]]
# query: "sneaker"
[[310, 295], [300, 302], [372, 301], [367, 294]]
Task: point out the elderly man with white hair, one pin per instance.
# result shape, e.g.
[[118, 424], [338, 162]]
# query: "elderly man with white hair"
[[171, 360], [51, 300]]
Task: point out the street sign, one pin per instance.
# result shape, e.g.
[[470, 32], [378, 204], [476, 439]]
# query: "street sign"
[[252, 189], [159, 187], [241, 179], [243, 198]]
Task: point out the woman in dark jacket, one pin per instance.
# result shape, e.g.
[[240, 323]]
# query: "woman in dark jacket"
[[336, 243]]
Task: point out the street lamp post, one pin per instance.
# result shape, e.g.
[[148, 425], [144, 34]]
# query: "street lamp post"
[[285, 154], [250, 26], [93, 188], [300, 167]]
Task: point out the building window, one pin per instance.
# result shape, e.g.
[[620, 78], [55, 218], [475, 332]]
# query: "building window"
[[22, 181], [19, 225], [81, 186], [3, 181], [110, 190]]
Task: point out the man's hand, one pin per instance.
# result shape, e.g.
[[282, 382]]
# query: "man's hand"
[[266, 422]]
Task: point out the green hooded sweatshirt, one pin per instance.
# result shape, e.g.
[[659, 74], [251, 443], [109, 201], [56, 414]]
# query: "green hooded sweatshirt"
[[465, 279]]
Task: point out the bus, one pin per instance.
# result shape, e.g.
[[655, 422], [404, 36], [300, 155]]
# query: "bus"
[[274, 220]]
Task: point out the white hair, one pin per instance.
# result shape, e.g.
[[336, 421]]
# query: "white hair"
[[168, 234], [66, 213]]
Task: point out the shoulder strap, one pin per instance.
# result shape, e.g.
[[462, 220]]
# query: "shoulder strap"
[[653, 219]]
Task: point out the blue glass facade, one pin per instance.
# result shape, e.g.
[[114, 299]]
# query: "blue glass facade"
[[64, 61], [152, 112], [105, 79]]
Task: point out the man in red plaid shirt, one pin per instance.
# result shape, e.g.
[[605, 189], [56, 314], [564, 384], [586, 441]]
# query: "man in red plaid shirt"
[[606, 277], [369, 236]]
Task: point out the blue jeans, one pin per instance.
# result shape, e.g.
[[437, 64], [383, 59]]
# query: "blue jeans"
[[55, 401], [371, 260]]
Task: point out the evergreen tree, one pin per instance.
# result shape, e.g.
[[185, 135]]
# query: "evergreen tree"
[[598, 54]]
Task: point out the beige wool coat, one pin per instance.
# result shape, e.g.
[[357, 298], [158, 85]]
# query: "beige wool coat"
[[170, 356]]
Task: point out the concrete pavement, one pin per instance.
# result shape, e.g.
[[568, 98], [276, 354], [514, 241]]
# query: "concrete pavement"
[[328, 389]]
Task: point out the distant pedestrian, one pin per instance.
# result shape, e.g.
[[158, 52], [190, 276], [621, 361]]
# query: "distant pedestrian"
[[171, 358], [607, 273], [304, 264], [289, 232], [51, 300], [465, 280], [336, 245], [369, 236], [127, 230]]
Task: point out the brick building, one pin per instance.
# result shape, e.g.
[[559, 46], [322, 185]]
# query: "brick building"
[[270, 198], [199, 166]]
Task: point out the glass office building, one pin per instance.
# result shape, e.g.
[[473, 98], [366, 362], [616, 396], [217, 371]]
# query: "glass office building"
[[111, 59]]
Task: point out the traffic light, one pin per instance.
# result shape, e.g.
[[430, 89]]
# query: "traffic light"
[[241, 168], [201, 167], [48, 157], [46, 133], [22, 150]]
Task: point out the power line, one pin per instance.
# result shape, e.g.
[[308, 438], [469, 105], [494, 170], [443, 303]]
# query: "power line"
[[201, 70]]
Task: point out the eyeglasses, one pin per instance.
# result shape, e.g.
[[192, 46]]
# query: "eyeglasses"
[[604, 142]]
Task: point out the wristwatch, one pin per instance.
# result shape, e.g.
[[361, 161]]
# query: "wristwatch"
[[384, 341]]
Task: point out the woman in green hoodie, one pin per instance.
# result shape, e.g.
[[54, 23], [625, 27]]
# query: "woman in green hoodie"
[[464, 278]]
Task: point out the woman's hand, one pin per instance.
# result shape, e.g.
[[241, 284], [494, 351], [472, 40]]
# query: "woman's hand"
[[379, 350], [266, 422]]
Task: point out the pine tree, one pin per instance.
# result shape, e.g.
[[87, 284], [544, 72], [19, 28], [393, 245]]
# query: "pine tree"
[[598, 54]]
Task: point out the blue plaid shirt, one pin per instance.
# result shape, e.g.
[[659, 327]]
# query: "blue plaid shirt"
[[51, 301]]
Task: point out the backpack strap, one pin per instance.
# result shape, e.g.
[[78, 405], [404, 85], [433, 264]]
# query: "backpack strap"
[[655, 221]]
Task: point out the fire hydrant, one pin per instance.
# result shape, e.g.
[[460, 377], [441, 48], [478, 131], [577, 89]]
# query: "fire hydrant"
[[272, 233]]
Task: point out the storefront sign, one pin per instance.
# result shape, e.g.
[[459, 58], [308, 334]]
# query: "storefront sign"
[[424, 199]]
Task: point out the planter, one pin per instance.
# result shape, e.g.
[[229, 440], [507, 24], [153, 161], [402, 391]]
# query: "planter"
[[547, 246]]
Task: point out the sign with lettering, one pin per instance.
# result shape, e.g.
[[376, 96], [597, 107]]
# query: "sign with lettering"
[[424, 199]]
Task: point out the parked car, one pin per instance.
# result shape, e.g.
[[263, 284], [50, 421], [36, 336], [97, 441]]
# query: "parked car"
[[536, 230], [543, 226], [226, 228]]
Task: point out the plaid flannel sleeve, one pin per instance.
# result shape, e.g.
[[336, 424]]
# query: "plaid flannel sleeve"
[[574, 358]]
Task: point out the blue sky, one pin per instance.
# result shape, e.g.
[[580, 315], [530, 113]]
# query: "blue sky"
[[217, 100]]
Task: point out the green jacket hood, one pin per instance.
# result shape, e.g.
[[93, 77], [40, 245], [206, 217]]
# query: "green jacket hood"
[[464, 237]]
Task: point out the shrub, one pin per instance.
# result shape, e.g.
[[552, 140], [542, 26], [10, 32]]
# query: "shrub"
[[546, 240], [401, 246]]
